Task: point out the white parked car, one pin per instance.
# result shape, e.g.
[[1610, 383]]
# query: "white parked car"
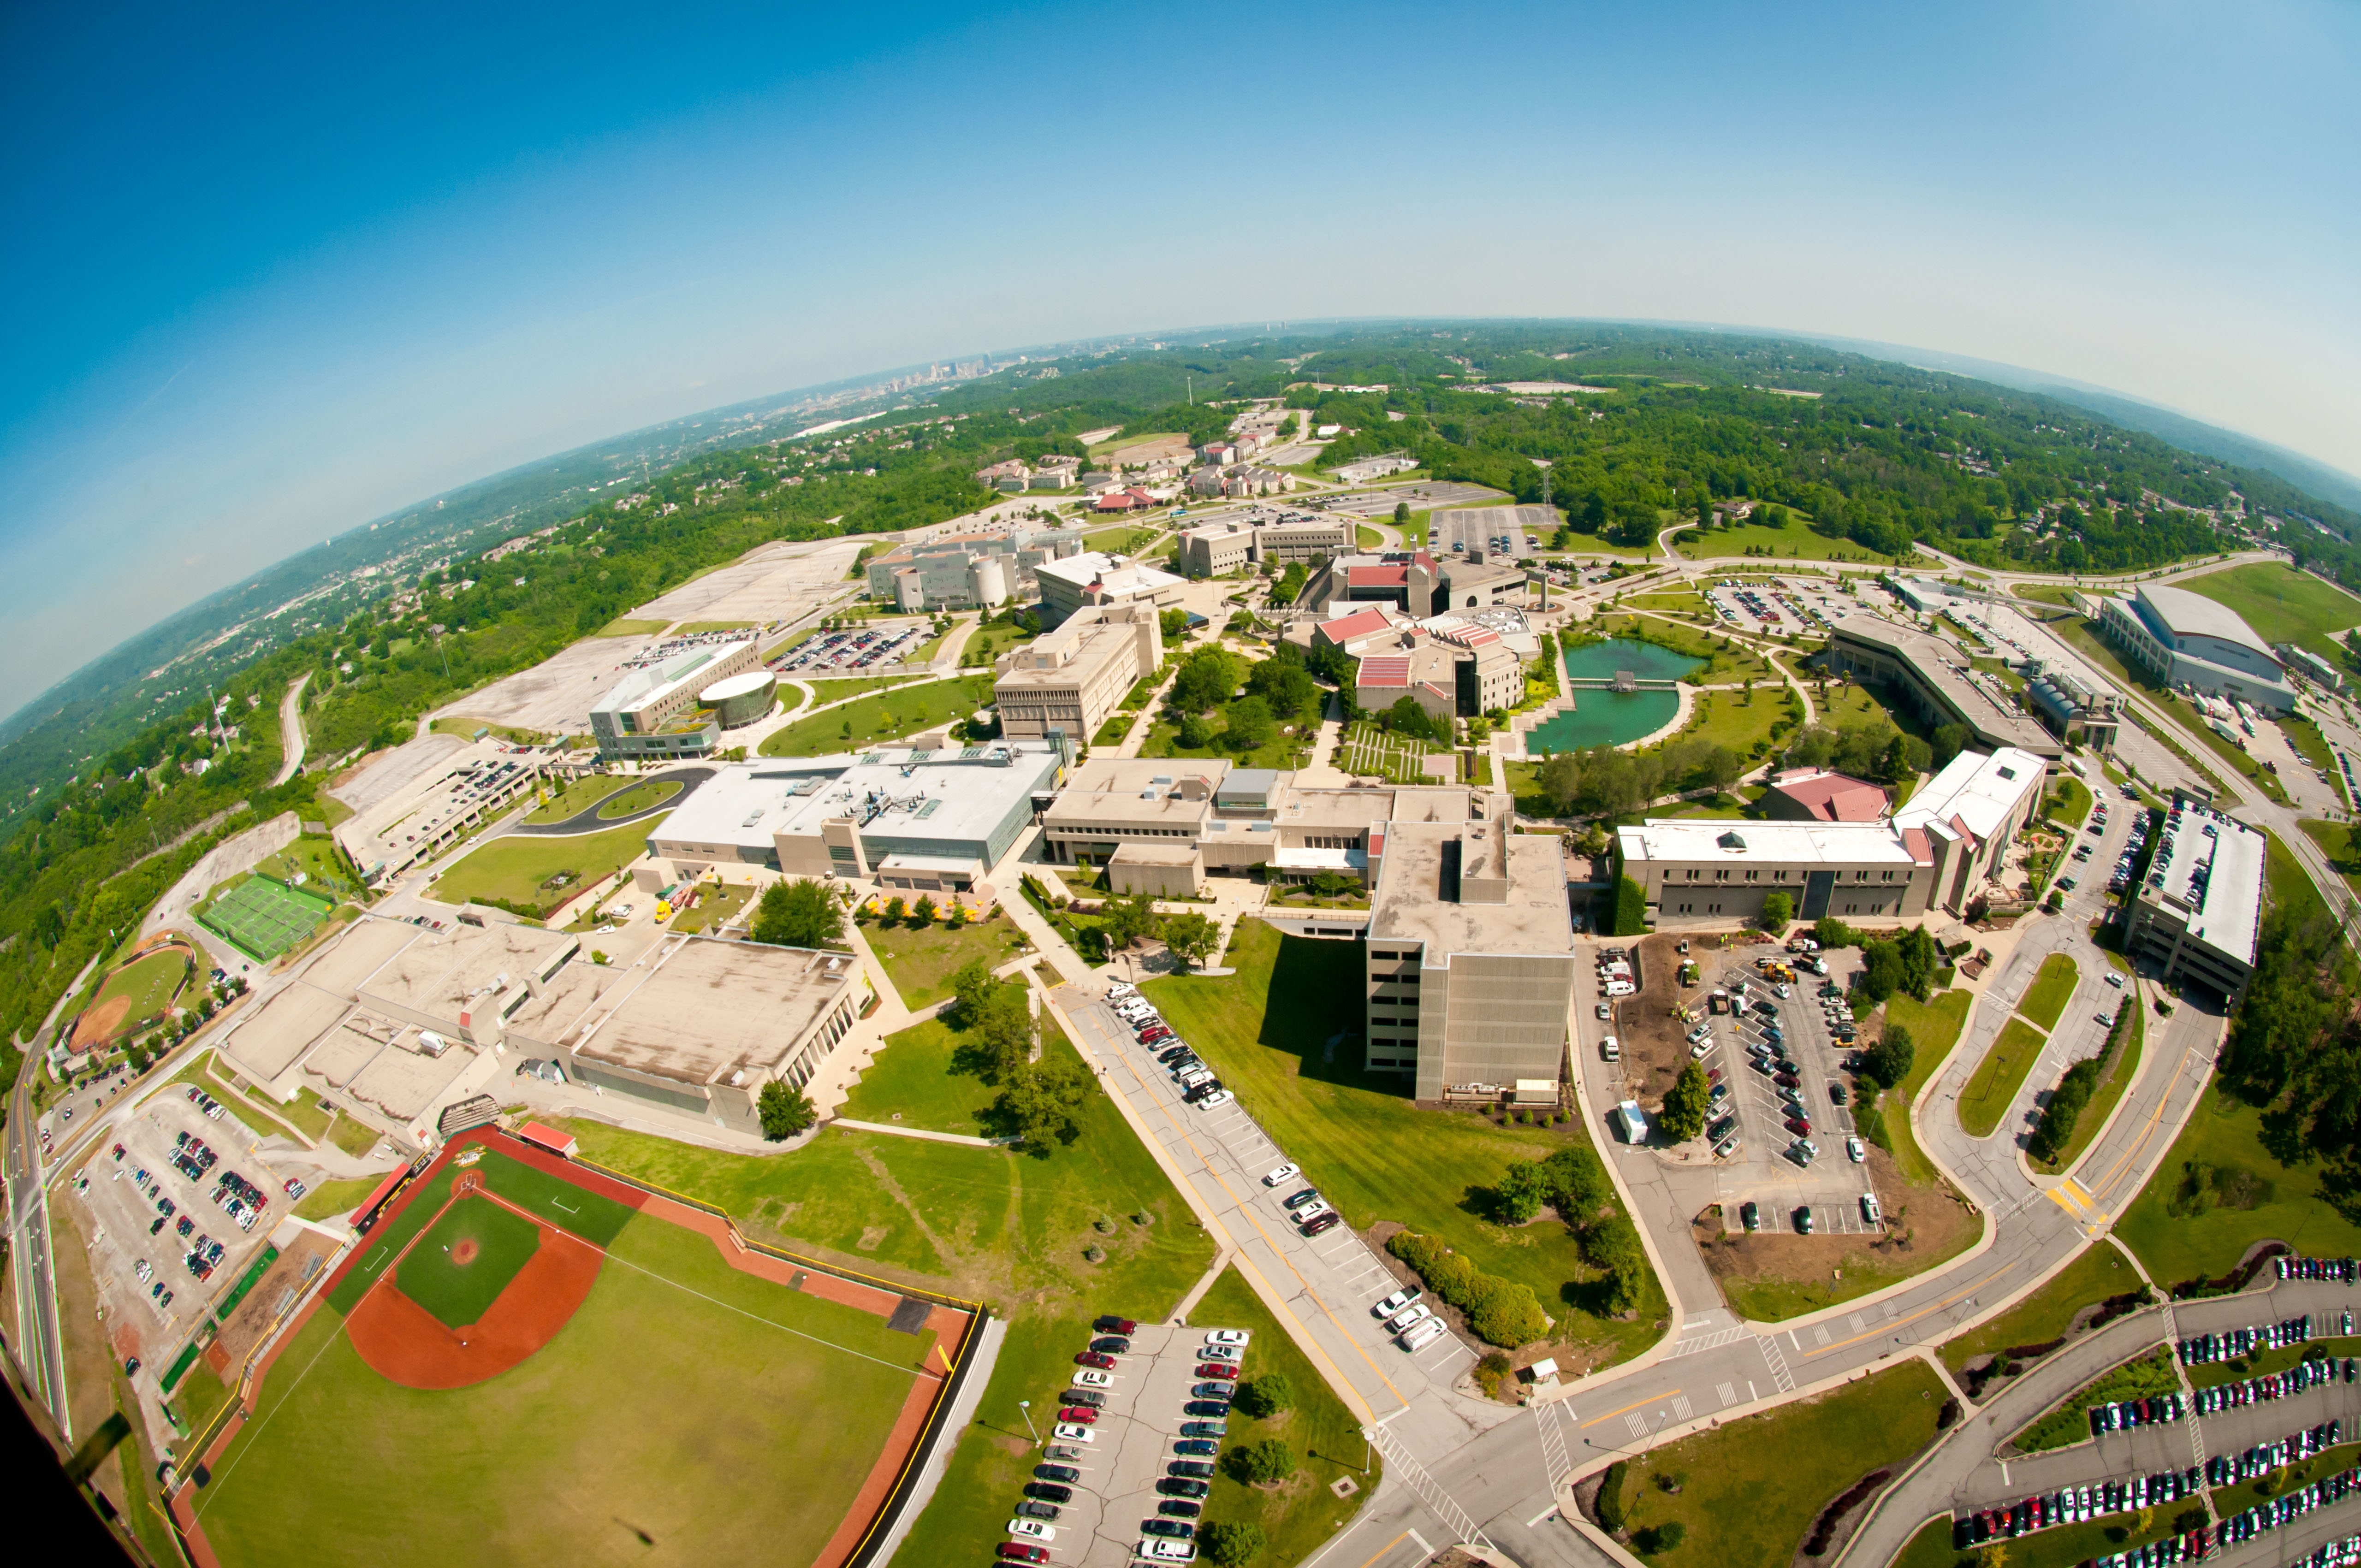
[[1228, 1353], [1855, 1150], [1701, 1047], [1397, 1301], [1285, 1172], [1311, 1211], [1073, 1432], [1031, 1529], [1091, 1377], [1407, 1315], [1158, 1548], [1611, 1049], [1229, 1336], [1621, 988], [1219, 1097]]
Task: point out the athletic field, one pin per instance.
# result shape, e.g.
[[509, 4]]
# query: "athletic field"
[[132, 996], [688, 1411], [263, 918]]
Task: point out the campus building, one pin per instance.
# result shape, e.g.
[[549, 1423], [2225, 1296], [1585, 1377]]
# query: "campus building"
[[2074, 708], [1934, 678], [1092, 578], [1938, 853], [1469, 961], [653, 712], [948, 812], [967, 571], [1068, 681], [1822, 795], [476, 785], [1216, 548], [1418, 583], [2187, 639], [2198, 915]]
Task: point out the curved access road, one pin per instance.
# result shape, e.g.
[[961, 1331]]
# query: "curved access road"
[[290, 729], [587, 819]]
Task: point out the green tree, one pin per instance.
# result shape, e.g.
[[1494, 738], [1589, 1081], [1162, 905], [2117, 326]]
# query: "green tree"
[[1284, 684], [1401, 514], [897, 910], [1233, 1543], [784, 1109], [958, 916], [1263, 1463], [1778, 908], [1522, 1192], [922, 914], [1682, 1116], [1266, 1396], [1207, 677], [1126, 920], [798, 914], [1043, 1101], [1251, 723], [1195, 936], [1172, 623], [972, 989], [1888, 1061], [1657, 1539]]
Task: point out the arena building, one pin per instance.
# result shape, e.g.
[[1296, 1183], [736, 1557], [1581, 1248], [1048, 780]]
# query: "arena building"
[[2187, 639], [653, 712]]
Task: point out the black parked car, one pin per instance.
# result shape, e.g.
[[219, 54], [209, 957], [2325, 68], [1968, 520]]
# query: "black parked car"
[[1113, 1344], [1192, 1468], [1031, 1510], [1049, 1492], [1181, 1487], [1057, 1473], [1214, 1410]]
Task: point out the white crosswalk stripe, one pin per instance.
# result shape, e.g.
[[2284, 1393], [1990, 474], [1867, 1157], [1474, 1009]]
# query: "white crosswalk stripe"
[[1728, 1394], [1638, 1424], [1681, 1406]]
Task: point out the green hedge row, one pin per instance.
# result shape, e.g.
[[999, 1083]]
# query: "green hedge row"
[[1501, 1312]]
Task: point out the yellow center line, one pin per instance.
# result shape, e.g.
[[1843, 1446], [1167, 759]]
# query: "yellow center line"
[[2147, 1131], [1628, 1409], [1894, 1323], [1388, 1547]]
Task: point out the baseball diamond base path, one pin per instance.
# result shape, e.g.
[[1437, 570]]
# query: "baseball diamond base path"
[[320, 1409]]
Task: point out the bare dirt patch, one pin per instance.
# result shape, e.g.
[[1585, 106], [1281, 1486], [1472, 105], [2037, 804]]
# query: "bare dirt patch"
[[1922, 1224], [271, 1297]]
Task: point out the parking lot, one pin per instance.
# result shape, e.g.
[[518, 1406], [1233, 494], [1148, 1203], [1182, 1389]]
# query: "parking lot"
[[1778, 606], [125, 1214], [841, 651]]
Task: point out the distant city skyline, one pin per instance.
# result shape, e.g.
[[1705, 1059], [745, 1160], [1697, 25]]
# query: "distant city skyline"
[[289, 272]]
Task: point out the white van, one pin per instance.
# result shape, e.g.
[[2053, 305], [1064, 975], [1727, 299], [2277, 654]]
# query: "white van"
[[1611, 1049], [1419, 1336], [1621, 988]]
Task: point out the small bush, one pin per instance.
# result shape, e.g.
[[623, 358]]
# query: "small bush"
[[1660, 1539], [1270, 1460], [1610, 1498]]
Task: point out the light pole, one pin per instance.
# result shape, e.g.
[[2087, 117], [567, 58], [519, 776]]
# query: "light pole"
[[1025, 1409]]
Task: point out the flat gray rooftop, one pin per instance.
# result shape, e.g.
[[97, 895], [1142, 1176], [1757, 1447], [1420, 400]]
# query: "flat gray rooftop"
[[700, 1010], [1413, 902]]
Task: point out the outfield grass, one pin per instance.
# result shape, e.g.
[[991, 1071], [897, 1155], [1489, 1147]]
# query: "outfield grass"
[[577, 798], [2067, 1423], [331, 1199], [147, 985], [1934, 1028], [1264, 1030], [1751, 1488], [920, 1079], [921, 960], [2100, 1272], [886, 716], [638, 798], [514, 868], [2284, 605], [2046, 999], [2260, 1200], [458, 1294], [666, 1411], [1998, 1078]]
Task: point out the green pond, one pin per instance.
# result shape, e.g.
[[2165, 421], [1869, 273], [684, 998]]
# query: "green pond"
[[1610, 718]]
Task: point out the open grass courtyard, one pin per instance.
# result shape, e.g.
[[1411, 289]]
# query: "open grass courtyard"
[[533, 872], [1998, 1077]]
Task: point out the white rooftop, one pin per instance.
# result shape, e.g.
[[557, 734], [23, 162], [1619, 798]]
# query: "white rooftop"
[[1981, 791], [2213, 877], [1711, 839], [1092, 566], [2194, 614], [954, 793], [653, 683]]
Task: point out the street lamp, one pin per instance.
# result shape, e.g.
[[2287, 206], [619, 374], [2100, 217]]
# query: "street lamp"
[[1025, 1409]]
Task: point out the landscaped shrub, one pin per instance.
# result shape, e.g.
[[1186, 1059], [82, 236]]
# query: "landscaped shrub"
[[1265, 1396], [1233, 1543], [1267, 1461], [2074, 1090], [1500, 1312], [1610, 1498], [1831, 1516]]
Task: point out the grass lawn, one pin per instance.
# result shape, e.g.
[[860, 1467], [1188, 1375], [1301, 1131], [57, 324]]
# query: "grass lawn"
[[1119, 540], [312, 858], [2253, 1198], [2287, 883], [330, 1199], [920, 1079], [759, 1382], [888, 716], [1847, 705], [2284, 605], [1369, 538], [1793, 543], [716, 907], [522, 871], [1934, 1028], [2099, 1272], [355, 1137], [2337, 842], [577, 798], [920, 960], [1670, 604], [1998, 1078], [145, 987], [458, 1294], [2046, 999], [837, 688], [1932, 1548], [1751, 1488], [1281, 751], [2069, 804], [2117, 1078], [638, 798], [1264, 1029], [630, 628], [1727, 718], [302, 1112], [2065, 1424], [1719, 806], [1368, 751]]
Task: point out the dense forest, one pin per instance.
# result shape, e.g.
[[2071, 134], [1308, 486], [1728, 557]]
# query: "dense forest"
[[1881, 455]]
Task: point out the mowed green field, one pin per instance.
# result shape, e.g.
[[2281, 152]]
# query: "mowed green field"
[[147, 985], [458, 1294], [2283, 605], [689, 1413], [1998, 1078], [515, 868], [2046, 999]]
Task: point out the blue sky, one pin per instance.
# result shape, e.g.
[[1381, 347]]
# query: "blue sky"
[[277, 270]]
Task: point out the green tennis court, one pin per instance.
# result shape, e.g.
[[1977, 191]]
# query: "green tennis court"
[[263, 918]]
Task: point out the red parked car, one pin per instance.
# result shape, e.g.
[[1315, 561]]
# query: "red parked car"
[[1092, 1358], [1021, 1552], [1081, 1415], [1115, 1325], [1799, 1127], [1218, 1370]]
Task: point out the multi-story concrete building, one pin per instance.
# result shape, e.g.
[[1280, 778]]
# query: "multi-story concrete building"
[[1091, 578], [966, 571], [1417, 583], [1068, 681], [1934, 678], [653, 712], [1469, 961], [2075, 709], [2187, 639], [1214, 548], [1937, 854], [1455, 671], [2199, 914]]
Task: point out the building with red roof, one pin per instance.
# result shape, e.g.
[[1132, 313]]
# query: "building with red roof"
[[1822, 795]]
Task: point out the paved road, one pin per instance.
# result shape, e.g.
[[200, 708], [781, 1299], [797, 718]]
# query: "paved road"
[[587, 819], [290, 729], [40, 1347]]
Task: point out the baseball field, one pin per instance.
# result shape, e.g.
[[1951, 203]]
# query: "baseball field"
[[486, 1385], [132, 995]]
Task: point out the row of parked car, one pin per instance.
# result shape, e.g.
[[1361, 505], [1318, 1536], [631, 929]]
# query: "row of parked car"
[[2122, 1415], [1196, 1081], [2283, 1509], [2269, 1386], [2234, 1343], [2335, 1270], [2226, 1469], [1171, 1535], [2074, 1504]]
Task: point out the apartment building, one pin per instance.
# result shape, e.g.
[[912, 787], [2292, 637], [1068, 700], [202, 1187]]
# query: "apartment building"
[[1469, 961], [1071, 679]]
